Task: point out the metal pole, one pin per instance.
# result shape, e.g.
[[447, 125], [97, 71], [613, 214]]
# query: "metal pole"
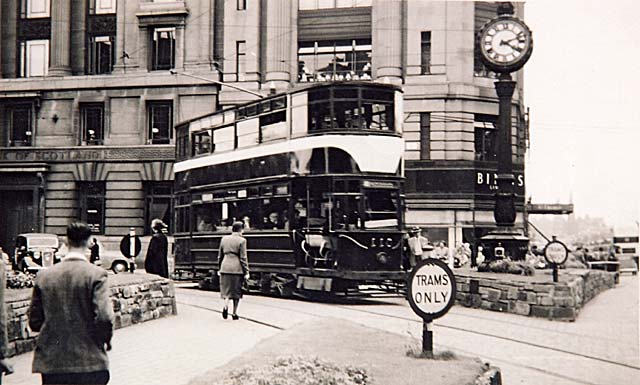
[[505, 210], [554, 266], [132, 249], [427, 339]]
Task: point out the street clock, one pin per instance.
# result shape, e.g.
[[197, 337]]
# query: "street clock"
[[505, 44]]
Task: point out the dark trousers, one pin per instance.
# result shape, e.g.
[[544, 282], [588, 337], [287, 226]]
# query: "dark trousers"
[[90, 378]]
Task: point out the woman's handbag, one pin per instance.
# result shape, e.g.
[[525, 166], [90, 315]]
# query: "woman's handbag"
[[245, 285]]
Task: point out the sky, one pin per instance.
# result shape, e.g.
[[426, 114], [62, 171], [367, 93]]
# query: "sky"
[[582, 84]]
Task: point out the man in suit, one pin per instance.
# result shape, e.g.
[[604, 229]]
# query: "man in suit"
[[72, 311]]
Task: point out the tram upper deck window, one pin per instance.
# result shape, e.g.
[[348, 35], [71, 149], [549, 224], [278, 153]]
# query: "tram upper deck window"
[[351, 108], [202, 143]]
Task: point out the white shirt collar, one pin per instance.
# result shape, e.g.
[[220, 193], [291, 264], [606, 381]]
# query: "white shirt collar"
[[74, 256]]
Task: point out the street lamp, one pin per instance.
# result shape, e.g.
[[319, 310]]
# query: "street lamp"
[[174, 72], [505, 44]]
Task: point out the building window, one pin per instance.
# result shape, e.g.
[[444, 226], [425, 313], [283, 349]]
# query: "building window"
[[163, 50], [102, 7], [32, 9], [34, 58], [92, 123], [160, 119], [485, 137], [425, 52], [324, 4], [101, 54], [425, 135], [20, 125], [334, 60], [91, 204], [241, 5], [158, 203], [241, 57], [483, 11]]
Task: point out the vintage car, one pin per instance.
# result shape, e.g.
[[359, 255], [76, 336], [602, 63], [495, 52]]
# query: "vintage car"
[[35, 251]]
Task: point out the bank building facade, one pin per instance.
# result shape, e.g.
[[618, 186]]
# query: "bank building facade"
[[91, 90]]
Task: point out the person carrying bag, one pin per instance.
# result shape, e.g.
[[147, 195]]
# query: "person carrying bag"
[[234, 269]]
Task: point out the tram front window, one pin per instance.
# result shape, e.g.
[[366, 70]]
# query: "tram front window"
[[351, 108], [381, 204]]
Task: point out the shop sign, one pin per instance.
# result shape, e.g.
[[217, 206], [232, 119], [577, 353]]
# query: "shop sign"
[[51, 155], [489, 180]]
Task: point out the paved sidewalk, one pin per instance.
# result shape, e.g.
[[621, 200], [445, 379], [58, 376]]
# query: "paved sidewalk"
[[167, 351]]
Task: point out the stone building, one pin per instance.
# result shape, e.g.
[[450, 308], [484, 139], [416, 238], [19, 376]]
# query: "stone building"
[[91, 90]]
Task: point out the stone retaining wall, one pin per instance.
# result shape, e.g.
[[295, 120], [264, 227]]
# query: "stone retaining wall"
[[561, 301], [136, 298]]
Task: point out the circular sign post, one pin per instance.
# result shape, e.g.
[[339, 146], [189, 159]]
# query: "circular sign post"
[[432, 292], [556, 253]]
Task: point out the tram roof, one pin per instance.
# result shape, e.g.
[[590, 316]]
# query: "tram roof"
[[303, 88]]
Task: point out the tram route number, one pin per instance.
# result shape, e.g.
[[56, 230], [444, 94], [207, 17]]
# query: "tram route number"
[[432, 289]]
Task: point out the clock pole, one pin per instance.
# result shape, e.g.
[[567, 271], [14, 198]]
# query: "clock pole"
[[505, 240], [504, 212]]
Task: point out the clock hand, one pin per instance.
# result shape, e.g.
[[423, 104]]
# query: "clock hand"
[[507, 42]]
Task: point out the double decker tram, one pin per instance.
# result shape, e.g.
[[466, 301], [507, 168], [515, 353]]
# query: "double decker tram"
[[315, 174]]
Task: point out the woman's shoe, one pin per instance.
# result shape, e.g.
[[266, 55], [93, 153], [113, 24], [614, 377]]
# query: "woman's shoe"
[[235, 317], [225, 313]]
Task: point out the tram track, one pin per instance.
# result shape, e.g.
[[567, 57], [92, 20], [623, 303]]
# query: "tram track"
[[471, 353], [439, 324]]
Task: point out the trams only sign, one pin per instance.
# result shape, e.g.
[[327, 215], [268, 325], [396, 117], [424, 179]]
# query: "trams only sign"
[[432, 289], [556, 252]]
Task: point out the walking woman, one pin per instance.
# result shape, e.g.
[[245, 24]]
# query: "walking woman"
[[234, 268]]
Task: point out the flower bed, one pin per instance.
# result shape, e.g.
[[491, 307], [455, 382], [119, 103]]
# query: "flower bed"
[[297, 370]]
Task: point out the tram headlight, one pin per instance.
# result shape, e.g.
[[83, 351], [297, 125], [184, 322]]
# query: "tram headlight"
[[382, 258]]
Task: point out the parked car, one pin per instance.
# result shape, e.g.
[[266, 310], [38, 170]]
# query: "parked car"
[[35, 251], [109, 259]]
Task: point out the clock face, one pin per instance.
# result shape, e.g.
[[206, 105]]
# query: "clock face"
[[505, 44]]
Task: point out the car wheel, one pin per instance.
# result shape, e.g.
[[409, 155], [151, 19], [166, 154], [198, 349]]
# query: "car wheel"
[[119, 267]]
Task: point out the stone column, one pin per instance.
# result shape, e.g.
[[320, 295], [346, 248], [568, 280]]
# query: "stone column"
[[277, 33], [9, 38], [127, 36], [387, 39], [78, 36], [60, 38], [180, 50], [0, 42], [198, 37]]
